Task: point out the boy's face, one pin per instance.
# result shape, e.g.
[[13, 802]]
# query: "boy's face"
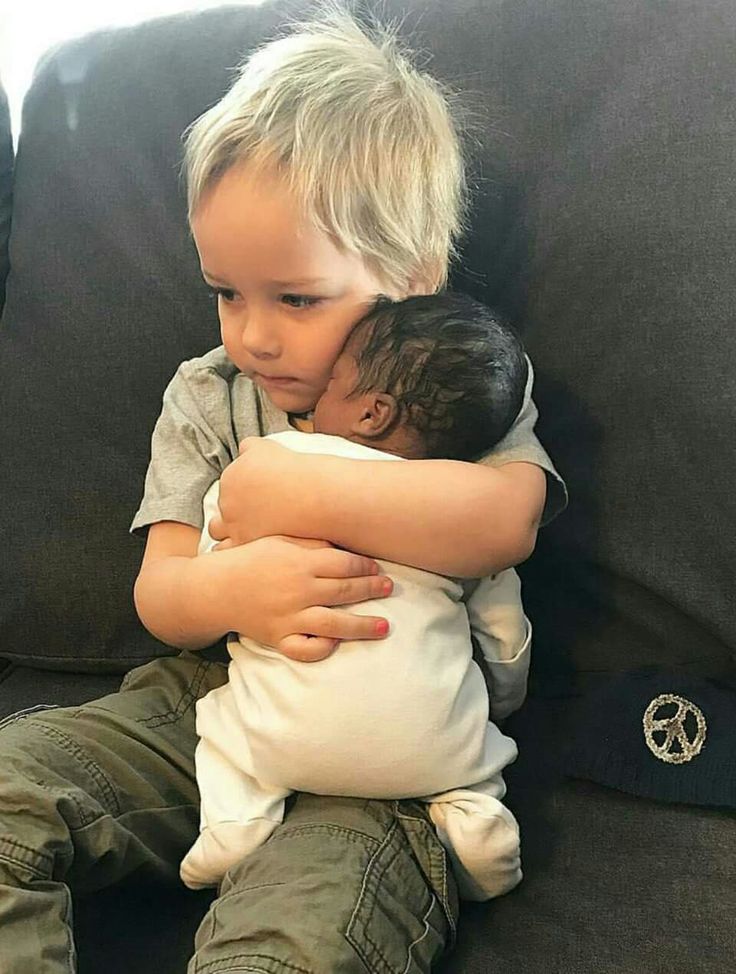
[[287, 297]]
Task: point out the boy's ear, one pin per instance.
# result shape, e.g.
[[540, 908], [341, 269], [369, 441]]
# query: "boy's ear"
[[427, 283], [378, 414]]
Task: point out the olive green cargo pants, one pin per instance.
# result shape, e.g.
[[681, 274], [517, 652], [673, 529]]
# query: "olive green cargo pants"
[[89, 794]]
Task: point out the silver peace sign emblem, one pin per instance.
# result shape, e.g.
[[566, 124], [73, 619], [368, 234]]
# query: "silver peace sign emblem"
[[674, 730]]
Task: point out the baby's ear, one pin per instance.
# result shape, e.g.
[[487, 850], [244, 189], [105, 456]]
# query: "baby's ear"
[[378, 415]]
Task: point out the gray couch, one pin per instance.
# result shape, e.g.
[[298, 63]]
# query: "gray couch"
[[604, 221]]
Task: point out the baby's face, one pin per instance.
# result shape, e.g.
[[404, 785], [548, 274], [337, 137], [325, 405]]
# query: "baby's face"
[[336, 411], [372, 418]]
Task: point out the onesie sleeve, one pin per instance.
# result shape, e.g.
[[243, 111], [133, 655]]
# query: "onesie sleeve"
[[504, 634], [521, 444], [192, 443]]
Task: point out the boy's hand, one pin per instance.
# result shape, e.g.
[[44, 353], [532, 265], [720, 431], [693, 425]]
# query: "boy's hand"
[[281, 592], [262, 491]]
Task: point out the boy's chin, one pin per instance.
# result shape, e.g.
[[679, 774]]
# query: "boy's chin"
[[290, 402]]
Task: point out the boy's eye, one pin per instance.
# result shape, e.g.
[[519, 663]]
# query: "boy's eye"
[[299, 300], [291, 300], [221, 292]]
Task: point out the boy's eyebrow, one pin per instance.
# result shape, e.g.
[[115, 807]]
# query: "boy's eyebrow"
[[300, 282]]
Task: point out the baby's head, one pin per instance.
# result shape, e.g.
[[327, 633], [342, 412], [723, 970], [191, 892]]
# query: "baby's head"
[[432, 376]]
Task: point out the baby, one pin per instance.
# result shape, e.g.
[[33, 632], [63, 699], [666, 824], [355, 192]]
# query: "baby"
[[434, 376]]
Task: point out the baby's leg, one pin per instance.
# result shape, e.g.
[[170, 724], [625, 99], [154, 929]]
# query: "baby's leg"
[[237, 814], [481, 837]]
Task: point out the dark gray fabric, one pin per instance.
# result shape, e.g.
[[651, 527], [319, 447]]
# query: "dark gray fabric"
[[22, 688], [602, 222], [164, 918], [6, 189]]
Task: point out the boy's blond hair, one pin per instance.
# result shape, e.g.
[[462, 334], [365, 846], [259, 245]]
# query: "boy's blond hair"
[[366, 142]]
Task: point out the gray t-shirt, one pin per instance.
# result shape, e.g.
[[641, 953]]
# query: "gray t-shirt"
[[209, 407]]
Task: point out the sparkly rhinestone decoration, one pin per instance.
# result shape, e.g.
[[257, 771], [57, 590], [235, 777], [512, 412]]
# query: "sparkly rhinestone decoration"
[[673, 729]]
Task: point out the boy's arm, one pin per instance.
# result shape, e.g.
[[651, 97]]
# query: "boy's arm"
[[273, 590], [445, 516], [167, 592]]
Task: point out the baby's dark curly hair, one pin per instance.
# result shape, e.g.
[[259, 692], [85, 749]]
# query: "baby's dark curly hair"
[[456, 370]]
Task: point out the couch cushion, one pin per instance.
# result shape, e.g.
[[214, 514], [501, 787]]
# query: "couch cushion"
[[610, 242], [105, 299], [6, 189], [24, 690], [602, 160]]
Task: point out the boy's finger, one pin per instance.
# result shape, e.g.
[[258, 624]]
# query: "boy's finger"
[[336, 563], [338, 624], [306, 649], [304, 542], [342, 591]]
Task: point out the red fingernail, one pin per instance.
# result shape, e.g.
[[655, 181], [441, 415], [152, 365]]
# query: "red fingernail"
[[382, 627], [387, 585]]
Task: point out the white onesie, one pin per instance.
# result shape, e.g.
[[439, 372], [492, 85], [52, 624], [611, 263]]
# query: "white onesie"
[[402, 717]]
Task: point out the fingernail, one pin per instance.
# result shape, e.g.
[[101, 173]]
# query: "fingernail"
[[382, 627], [386, 585]]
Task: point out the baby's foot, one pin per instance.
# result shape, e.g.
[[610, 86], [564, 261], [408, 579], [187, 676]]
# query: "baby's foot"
[[219, 847]]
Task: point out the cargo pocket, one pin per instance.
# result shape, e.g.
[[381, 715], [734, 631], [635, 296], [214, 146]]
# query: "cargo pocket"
[[398, 925]]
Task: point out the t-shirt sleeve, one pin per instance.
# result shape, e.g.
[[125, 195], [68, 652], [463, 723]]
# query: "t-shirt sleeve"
[[190, 447], [522, 445]]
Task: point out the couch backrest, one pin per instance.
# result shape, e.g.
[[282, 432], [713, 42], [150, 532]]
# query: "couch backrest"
[[603, 218]]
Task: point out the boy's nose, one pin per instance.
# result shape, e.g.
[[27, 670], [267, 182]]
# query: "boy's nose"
[[259, 340]]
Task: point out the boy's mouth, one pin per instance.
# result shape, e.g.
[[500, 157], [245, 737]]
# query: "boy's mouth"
[[276, 381]]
